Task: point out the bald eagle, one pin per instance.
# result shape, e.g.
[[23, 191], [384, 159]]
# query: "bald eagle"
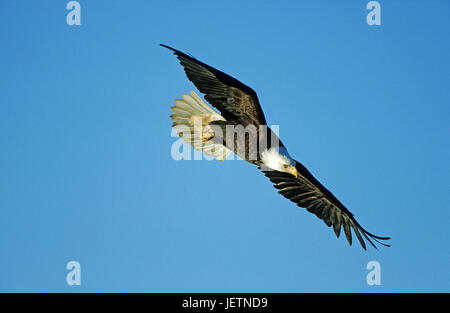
[[241, 128]]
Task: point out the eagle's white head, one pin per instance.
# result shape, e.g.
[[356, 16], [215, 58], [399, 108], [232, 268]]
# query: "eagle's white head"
[[278, 159]]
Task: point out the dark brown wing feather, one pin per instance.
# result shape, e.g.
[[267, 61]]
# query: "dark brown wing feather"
[[309, 193], [233, 99]]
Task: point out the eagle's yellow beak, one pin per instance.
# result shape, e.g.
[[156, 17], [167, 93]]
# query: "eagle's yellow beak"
[[293, 170]]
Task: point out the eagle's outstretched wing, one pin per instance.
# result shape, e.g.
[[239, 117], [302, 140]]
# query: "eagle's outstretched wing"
[[231, 97], [307, 192]]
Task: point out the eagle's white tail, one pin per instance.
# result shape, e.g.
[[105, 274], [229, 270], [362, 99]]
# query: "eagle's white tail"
[[191, 117]]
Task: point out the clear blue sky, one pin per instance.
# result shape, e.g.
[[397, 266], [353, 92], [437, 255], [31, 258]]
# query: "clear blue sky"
[[86, 172]]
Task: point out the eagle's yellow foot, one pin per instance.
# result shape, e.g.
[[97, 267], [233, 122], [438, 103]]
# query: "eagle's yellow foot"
[[207, 133]]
